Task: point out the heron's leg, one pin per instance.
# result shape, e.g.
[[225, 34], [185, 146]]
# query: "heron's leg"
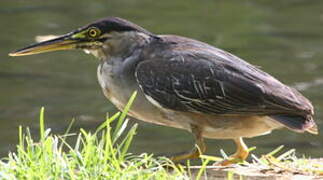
[[199, 149], [240, 155]]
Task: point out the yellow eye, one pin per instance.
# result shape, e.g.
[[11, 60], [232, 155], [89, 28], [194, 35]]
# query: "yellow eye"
[[94, 32]]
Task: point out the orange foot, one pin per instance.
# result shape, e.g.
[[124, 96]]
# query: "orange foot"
[[240, 155], [234, 159]]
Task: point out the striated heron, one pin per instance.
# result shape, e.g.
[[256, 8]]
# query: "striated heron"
[[186, 84]]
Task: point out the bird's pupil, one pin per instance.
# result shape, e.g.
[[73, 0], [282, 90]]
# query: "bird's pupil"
[[93, 32]]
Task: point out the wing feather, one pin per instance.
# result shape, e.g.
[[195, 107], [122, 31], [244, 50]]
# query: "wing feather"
[[200, 80]]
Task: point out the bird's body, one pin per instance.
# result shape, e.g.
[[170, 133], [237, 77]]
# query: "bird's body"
[[187, 84], [178, 90], [113, 70]]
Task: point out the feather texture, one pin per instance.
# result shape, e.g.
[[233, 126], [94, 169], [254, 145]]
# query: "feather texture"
[[204, 79]]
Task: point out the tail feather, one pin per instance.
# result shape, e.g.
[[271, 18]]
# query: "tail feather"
[[313, 130], [297, 123]]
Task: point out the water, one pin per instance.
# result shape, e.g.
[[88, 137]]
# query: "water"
[[284, 38]]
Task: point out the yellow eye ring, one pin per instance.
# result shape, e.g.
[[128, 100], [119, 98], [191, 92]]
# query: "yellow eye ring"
[[94, 32]]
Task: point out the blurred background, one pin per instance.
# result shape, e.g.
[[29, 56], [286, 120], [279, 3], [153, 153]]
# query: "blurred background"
[[285, 38]]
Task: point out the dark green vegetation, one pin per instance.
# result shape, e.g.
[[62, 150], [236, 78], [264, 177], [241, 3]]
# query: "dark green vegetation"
[[284, 38]]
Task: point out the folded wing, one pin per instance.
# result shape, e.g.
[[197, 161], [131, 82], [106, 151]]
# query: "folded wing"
[[208, 80]]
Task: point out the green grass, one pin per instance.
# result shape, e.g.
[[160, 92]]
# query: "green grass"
[[99, 155]]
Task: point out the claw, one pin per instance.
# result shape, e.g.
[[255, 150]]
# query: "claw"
[[199, 149], [238, 157]]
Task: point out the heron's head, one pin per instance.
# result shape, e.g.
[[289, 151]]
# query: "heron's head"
[[100, 38]]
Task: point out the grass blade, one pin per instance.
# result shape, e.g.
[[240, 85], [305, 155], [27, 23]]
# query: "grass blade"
[[124, 114]]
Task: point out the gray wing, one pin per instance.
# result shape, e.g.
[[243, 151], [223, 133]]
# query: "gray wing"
[[207, 83]]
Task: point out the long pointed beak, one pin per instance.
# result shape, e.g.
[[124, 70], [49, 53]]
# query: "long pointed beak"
[[60, 43]]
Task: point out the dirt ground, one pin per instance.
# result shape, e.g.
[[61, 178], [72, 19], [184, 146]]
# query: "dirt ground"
[[257, 171]]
